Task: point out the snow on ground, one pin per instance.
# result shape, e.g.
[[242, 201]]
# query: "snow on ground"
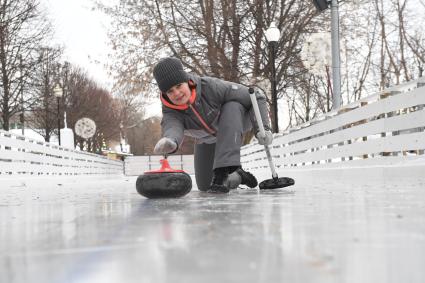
[[350, 225]]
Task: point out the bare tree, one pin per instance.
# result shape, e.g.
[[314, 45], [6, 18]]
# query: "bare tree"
[[226, 39], [143, 137], [22, 29], [382, 43], [131, 112], [84, 98], [392, 40], [309, 98], [43, 118], [359, 38], [415, 40]]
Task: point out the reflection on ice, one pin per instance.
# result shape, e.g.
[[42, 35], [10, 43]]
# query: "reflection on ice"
[[320, 230]]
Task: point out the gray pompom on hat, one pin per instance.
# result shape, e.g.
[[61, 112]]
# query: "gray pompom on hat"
[[169, 72]]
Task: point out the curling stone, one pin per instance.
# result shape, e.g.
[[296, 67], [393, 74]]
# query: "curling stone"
[[164, 183]]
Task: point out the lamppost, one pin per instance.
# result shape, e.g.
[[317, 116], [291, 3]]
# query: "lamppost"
[[322, 5], [21, 90], [58, 92], [273, 35]]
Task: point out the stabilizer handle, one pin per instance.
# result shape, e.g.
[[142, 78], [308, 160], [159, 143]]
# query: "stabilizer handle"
[[261, 128], [256, 110]]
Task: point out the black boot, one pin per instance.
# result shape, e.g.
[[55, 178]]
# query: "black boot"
[[247, 178], [218, 184]]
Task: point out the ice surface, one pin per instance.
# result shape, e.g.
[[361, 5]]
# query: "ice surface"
[[358, 225]]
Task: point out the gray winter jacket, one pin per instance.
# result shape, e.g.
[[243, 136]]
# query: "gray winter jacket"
[[211, 94]]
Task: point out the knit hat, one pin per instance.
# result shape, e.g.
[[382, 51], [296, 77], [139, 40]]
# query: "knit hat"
[[169, 72]]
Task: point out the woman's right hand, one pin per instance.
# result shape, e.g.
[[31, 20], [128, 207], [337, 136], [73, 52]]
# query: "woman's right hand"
[[165, 146]]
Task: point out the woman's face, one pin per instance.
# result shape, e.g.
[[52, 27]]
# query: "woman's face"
[[179, 94]]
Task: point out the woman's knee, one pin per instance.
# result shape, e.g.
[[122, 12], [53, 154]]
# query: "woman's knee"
[[232, 106]]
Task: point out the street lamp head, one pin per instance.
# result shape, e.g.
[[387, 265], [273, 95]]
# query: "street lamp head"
[[321, 5], [58, 91], [272, 33]]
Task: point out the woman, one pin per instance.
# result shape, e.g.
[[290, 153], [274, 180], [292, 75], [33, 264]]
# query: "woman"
[[216, 113]]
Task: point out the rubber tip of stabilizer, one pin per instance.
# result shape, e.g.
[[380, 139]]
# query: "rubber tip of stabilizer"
[[164, 185], [276, 183]]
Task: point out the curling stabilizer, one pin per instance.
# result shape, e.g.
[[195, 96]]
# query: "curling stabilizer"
[[164, 183], [275, 182]]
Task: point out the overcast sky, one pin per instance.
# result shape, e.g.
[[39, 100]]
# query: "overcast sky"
[[83, 33]]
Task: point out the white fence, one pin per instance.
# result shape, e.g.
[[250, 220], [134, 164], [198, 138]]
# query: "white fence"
[[21, 156], [137, 165], [383, 129]]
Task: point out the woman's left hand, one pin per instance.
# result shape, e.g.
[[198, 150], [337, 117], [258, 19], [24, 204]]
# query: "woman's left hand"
[[265, 139]]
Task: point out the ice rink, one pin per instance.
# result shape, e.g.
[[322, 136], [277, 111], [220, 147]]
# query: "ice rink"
[[350, 225]]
